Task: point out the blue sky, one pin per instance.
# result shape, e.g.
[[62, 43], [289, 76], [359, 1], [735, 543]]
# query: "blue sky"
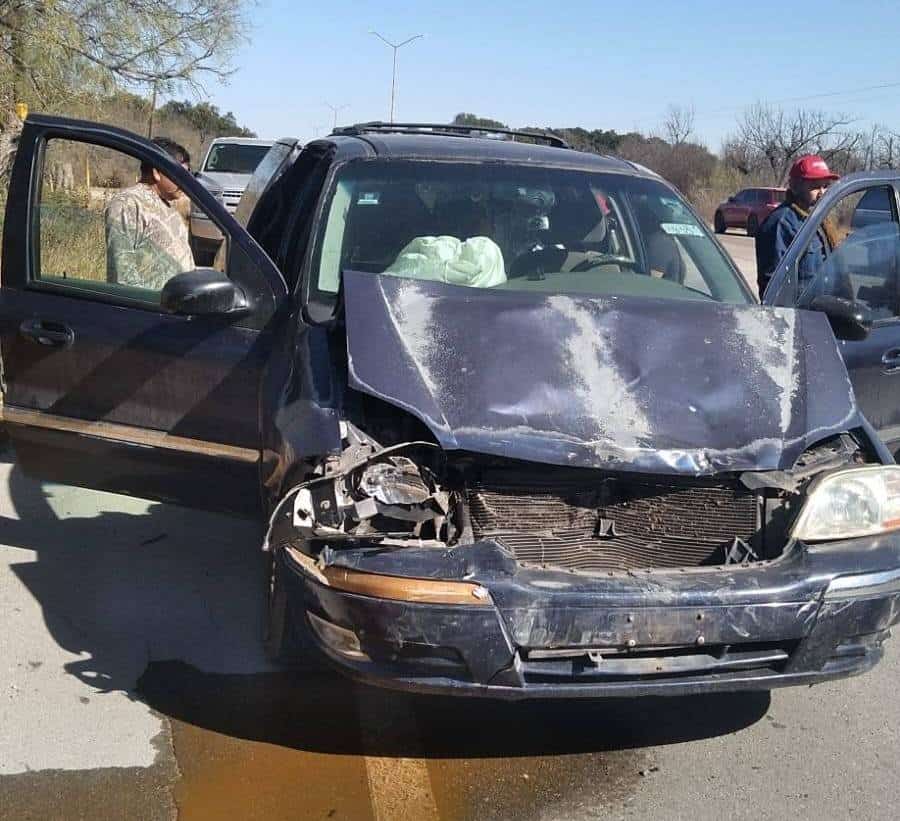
[[598, 65]]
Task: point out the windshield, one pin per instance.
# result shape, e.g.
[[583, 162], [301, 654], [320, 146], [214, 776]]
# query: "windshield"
[[234, 158], [520, 228]]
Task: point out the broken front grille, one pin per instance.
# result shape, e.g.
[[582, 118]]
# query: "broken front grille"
[[600, 522]]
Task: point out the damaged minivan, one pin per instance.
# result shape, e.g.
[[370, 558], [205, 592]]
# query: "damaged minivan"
[[513, 422]]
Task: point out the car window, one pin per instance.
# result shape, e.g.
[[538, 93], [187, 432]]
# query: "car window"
[[519, 228], [234, 158], [100, 227], [264, 172], [862, 267], [874, 206]]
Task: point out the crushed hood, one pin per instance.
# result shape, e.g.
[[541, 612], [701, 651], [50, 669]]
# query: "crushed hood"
[[668, 386]]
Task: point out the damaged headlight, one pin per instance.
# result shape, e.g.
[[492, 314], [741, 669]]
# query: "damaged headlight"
[[851, 503], [397, 482], [375, 496]]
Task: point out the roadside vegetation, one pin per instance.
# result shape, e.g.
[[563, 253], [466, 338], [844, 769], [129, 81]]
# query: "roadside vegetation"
[[114, 61], [73, 238], [109, 62], [760, 150]]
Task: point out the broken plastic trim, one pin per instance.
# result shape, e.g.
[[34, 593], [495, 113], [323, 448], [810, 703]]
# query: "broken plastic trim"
[[395, 588], [370, 492], [829, 454], [341, 640]]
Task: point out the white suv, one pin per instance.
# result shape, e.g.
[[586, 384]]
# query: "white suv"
[[226, 169]]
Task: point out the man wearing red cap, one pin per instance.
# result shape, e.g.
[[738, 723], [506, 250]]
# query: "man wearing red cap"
[[808, 180]]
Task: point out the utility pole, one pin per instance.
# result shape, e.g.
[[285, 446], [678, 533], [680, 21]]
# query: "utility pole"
[[152, 112], [396, 47], [334, 110]]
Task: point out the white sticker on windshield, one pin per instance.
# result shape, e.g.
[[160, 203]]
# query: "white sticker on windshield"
[[681, 229], [369, 198]]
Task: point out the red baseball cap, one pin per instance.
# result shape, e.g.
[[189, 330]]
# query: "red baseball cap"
[[811, 167]]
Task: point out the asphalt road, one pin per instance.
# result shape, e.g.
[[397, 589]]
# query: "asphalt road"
[[133, 687], [743, 251]]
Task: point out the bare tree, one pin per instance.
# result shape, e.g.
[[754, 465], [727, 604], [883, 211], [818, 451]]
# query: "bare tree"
[[883, 149], [688, 165], [889, 145], [770, 139], [678, 124]]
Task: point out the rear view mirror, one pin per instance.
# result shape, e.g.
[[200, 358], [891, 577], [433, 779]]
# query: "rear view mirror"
[[203, 292], [849, 320]]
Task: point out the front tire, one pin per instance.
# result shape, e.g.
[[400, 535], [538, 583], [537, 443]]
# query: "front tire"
[[719, 223], [287, 641]]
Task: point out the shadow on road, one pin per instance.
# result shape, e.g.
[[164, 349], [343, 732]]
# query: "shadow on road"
[[165, 604], [321, 714], [122, 582]]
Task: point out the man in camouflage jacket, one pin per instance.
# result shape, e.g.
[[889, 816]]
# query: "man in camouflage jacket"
[[146, 236]]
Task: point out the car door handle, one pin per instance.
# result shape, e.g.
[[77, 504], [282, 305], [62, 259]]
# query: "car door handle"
[[891, 359], [48, 332]]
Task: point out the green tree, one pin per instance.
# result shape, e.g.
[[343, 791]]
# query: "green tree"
[[55, 48], [475, 120], [56, 52], [206, 119], [596, 141]]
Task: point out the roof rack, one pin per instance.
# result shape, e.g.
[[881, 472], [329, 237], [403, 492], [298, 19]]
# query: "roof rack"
[[447, 129]]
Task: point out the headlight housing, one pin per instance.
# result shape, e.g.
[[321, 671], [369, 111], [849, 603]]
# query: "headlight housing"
[[851, 503]]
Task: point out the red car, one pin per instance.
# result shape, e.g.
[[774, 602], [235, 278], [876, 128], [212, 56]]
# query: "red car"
[[747, 209]]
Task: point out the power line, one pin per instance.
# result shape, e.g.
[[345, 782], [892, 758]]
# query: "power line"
[[820, 96]]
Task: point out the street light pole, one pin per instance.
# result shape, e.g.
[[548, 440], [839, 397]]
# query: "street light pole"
[[396, 47], [334, 110]]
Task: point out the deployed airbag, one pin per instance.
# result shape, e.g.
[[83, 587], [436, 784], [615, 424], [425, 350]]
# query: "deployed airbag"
[[477, 262]]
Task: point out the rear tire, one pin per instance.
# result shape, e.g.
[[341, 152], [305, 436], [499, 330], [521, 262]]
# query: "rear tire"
[[752, 225], [719, 223]]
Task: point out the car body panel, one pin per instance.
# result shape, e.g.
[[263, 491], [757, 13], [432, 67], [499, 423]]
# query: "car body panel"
[[690, 626], [228, 186], [135, 389], [543, 378], [876, 381], [757, 203]]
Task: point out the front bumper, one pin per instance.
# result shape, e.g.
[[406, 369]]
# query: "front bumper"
[[815, 614]]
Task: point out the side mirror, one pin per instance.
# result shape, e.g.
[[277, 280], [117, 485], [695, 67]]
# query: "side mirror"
[[849, 320], [731, 199], [203, 292]]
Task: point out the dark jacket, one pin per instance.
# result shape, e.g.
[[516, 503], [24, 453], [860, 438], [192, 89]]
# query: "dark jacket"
[[772, 241]]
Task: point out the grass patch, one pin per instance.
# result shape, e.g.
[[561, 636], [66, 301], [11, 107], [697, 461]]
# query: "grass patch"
[[72, 237]]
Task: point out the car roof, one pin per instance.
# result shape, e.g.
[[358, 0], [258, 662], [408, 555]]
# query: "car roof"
[[243, 140], [463, 148]]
